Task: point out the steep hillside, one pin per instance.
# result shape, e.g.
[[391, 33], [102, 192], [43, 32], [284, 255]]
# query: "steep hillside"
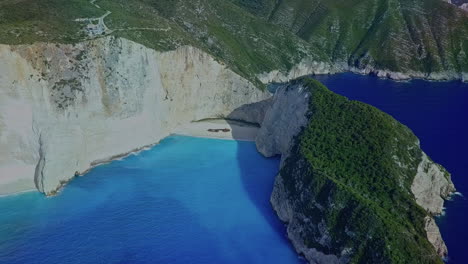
[[396, 38], [423, 37], [248, 44]]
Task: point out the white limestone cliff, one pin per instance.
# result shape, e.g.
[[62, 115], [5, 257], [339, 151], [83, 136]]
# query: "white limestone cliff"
[[303, 68], [66, 108], [283, 120], [431, 186]]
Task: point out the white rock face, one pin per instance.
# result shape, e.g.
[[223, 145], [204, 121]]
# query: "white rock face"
[[431, 186], [305, 67], [464, 7], [283, 120], [66, 108], [434, 236]]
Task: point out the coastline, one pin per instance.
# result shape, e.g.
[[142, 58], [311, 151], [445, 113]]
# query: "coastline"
[[17, 193], [212, 137], [307, 68], [19, 186], [99, 162], [237, 131]]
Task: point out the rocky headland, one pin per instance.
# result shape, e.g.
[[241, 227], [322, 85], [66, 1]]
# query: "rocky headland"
[[327, 212]]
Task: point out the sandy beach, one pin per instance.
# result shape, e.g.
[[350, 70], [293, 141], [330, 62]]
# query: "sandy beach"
[[10, 183], [207, 128]]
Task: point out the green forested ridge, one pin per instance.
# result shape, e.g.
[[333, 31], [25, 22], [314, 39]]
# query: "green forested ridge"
[[398, 35], [247, 43], [352, 168], [255, 36]]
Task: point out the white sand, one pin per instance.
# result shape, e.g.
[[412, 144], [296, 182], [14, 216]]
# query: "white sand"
[[237, 130], [10, 183]]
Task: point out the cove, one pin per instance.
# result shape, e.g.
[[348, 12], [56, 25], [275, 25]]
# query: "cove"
[[437, 113], [186, 200]]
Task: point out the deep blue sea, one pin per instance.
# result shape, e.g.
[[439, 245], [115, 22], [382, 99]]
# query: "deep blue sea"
[[186, 200], [437, 112]]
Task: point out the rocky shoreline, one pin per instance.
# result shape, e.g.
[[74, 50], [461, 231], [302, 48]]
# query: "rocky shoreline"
[[310, 67]]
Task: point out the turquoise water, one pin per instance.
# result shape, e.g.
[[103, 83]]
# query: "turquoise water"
[[187, 200], [192, 200]]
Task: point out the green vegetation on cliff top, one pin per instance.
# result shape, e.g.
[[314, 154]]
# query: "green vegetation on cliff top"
[[257, 36], [397, 35], [248, 44], [352, 168]]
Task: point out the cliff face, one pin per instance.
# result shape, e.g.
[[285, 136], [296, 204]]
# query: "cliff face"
[[288, 108], [341, 216], [431, 186], [66, 108]]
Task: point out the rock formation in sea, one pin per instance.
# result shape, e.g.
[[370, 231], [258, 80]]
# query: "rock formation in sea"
[[343, 213]]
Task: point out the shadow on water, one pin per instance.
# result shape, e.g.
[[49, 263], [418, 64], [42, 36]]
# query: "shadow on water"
[[113, 232], [435, 111], [257, 180], [258, 184]]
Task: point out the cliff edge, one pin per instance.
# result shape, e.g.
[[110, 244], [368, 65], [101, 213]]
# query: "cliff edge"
[[354, 185], [65, 108]]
